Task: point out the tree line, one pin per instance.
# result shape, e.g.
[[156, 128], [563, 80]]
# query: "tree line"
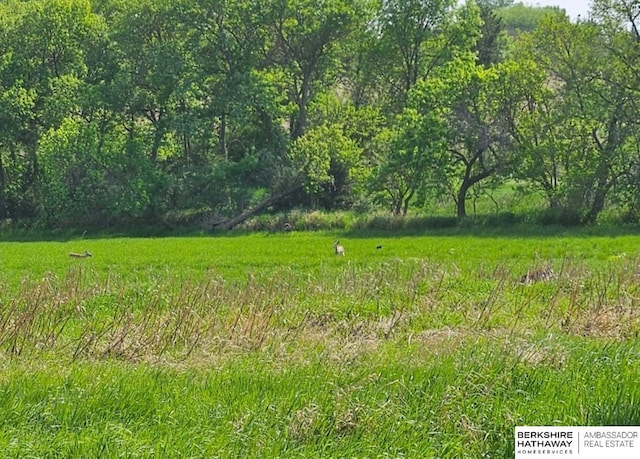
[[114, 112]]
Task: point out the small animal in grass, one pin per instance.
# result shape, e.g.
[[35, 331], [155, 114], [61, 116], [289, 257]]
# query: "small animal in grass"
[[378, 247], [287, 227], [86, 254], [538, 275], [339, 249]]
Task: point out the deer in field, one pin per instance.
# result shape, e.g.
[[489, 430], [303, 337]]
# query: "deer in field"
[[339, 250], [86, 254], [538, 275]]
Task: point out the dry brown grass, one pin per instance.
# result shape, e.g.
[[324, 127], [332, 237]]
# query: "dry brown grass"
[[80, 316]]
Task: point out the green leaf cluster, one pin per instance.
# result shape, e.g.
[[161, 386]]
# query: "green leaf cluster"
[[113, 112]]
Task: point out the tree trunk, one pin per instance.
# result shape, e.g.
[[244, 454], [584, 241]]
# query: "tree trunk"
[[397, 204], [461, 201], [396, 200], [597, 205], [222, 136], [468, 181], [603, 174], [158, 134], [407, 201], [300, 123], [268, 201]]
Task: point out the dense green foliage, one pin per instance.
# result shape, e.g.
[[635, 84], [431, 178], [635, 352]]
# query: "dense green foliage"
[[116, 113], [269, 345]]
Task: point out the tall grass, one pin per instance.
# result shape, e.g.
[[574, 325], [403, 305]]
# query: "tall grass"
[[270, 346], [81, 314], [405, 401]]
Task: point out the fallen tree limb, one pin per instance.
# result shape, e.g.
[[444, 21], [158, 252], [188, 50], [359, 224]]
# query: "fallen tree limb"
[[268, 201]]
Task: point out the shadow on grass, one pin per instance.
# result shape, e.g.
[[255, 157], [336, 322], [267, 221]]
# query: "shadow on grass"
[[489, 226]]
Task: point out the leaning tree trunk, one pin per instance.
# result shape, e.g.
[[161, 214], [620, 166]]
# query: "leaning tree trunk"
[[248, 213], [461, 201], [597, 205], [406, 202], [468, 181]]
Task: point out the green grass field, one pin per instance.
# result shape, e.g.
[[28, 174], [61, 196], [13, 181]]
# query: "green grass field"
[[268, 345]]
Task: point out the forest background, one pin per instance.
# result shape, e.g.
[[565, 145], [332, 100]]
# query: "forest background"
[[206, 112]]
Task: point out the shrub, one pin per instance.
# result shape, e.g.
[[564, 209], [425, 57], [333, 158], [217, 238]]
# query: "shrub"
[[563, 216]]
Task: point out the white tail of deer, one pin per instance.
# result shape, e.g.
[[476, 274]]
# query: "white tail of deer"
[[86, 254], [539, 275], [338, 248]]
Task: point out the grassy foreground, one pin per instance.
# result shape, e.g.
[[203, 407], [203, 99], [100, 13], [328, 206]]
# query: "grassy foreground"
[[268, 345]]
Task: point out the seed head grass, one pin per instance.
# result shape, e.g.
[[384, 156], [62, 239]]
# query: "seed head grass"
[[268, 345]]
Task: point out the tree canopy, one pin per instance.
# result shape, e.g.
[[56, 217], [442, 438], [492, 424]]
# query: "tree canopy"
[[117, 112]]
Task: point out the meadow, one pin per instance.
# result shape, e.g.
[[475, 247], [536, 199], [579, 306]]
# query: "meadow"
[[268, 345]]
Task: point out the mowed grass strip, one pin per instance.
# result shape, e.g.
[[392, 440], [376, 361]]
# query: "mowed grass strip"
[[269, 345]]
